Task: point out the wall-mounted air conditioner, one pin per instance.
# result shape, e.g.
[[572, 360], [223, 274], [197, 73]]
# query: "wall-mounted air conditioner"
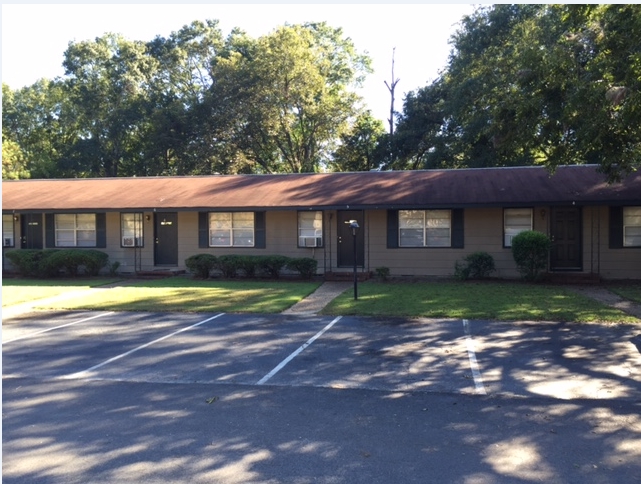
[[311, 241], [130, 241]]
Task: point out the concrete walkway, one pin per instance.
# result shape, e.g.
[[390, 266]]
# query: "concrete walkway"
[[320, 298], [604, 296]]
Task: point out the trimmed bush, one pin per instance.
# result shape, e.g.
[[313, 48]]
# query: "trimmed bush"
[[51, 262], [478, 265], [382, 273], [26, 261], [228, 265], [248, 264], [305, 266], [272, 265], [531, 250], [201, 264]]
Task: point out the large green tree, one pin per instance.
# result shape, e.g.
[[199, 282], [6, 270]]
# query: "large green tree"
[[292, 95], [536, 84]]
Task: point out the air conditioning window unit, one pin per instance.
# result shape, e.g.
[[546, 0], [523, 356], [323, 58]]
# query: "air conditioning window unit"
[[128, 242], [8, 241], [312, 241]]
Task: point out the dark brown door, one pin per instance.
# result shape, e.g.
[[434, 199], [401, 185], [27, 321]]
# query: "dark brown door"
[[31, 230], [166, 239], [565, 232], [346, 238]]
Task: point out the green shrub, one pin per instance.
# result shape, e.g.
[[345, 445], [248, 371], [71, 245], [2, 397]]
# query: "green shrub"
[[382, 273], [26, 261], [305, 266], [272, 265], [228, 265], [248, 264], [50, 262], [530, 250], [477, 265], [201, 264], [94, 261], [113, 268]]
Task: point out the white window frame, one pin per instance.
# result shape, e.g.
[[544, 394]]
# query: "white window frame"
[[514, 222], [131, 229], [310, 229], [232, 229], [428, 226], [75, 230], [631, 226], [8, 230]]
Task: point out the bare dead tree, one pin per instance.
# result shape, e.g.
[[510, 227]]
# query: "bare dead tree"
[[391, 90]]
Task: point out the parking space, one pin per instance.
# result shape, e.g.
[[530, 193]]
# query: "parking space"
[[447, 356]]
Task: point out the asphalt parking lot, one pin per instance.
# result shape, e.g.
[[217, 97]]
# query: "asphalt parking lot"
[[152, 397]]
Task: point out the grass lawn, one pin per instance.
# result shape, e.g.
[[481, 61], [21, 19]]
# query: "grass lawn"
[[628, 291], [16, 291], [195, 295], [506, 301]]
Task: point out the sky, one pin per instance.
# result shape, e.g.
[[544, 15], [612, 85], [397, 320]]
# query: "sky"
[[35, 36]]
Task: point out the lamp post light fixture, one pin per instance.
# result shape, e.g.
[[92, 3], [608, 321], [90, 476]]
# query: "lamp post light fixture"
[[353, 224]]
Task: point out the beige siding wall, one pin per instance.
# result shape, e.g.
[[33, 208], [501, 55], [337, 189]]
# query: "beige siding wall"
[[598, 257], [483, 232]]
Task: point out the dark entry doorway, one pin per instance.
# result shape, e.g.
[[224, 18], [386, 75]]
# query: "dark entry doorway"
[[565, 232], [166, 239], [31, 231], [346, 239]]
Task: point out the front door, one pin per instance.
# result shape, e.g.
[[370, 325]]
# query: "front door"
[[31, 231], [565, 232], [346, 238], [166, 239]]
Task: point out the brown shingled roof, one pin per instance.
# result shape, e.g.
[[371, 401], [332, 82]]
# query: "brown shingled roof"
[[393, 189]]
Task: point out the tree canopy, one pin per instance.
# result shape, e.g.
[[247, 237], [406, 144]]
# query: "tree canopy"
[[532, 84], [524, 85], [193, 103]]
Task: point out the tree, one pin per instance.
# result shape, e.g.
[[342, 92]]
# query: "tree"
[[107, 80], [541, 84], [358, 150], [290, 92]]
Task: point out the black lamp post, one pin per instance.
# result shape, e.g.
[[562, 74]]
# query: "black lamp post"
[[353, 224]]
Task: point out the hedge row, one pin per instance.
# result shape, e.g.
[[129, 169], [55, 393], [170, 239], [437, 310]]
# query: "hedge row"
[[54, 262], [202, 265]]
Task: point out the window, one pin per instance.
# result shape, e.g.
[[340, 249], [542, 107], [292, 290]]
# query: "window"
[[425, 228], [310, 229], [75, 230], [515, 221], [631, 226], [131, 229], [7, 231], [231, 229]]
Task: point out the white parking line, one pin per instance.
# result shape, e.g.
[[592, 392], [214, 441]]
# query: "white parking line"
[[478, 381], [295, 353], [80, 374], [29, 335]]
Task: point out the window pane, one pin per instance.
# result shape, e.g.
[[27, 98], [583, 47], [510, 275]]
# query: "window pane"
[[411, 238], [86, 221], [310, 228], [411, 218], [86, 238], [219, 220], [65, 222], [65, 238], [515, 221], [243, 238], [438, 238], [221, 238], [631, 226], [243, 220], [7, 231]]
